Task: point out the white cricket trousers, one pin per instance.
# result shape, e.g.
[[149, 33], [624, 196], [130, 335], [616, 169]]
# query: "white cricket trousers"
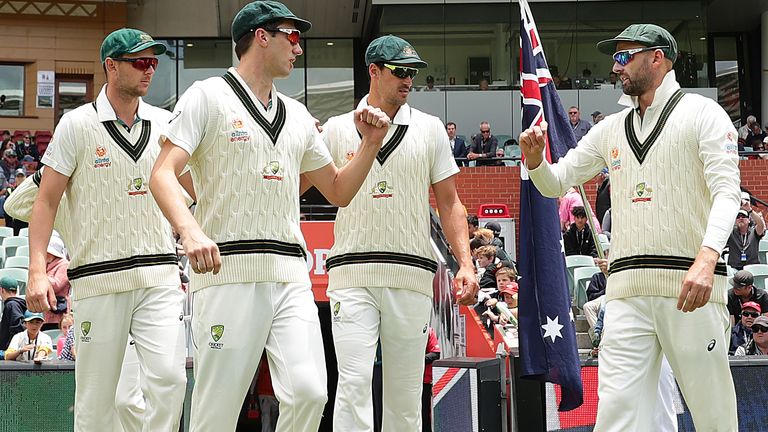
[[359, 317], [231, 326], [153, 318], [638, 332], [130, 405]]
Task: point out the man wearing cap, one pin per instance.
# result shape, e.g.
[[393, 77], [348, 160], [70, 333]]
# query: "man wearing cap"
[[380, 267], [244, 242], [744, 291], [123, 272], [674, 196], [9, 163], [744, 241], [16, 224], [759, 343], [12, 320], [741, 333], [430, 84], [30, 344]]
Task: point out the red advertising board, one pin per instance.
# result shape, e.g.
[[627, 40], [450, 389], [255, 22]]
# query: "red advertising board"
[[319, 238]]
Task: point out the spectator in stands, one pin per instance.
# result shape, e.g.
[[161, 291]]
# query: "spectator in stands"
[[16, 224], [603, 200], [744, 291], [495, 227], [458, 146], [596, 117], [9, 163], [596, 293], [30, 344], [759, 343], [578, 239], [68, 349], [760, 147], [741, 333], [571, 199], [430, 84], [472, 225], [745, 130], [487, 237], [485, 257], [483, 84], [484, 146], [431, 354], [506, 281], [57, 265], [5, 138], [744, 241], [755, 135], [26, 147], [67, 321], [580, 127], [12, 321]]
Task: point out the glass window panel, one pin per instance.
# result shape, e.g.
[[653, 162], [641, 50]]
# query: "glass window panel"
[[330, 77], [199, 59], [11, 90], [162, 92], [293, 85]]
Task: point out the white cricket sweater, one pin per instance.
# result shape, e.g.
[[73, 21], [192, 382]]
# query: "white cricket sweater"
[[118, 238], [669, 197], [245, 163], [382, 239]]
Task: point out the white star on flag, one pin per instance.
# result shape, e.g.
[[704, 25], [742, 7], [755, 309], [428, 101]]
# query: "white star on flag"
[[552, 328]]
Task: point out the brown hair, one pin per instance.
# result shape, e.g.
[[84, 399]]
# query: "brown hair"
[[484, 234], [487, 251], [508, 272]]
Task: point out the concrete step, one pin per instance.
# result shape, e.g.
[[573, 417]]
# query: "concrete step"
[[581, 324], [583, 341]]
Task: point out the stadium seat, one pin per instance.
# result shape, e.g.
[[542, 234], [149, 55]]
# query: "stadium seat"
[[574, 261], [24, 232], [581, 277], [22, 251], [42, 139], [762, 252], [11, 243], [19, 274], [760, 272], [54, 334], [17, 262], [6, 232]]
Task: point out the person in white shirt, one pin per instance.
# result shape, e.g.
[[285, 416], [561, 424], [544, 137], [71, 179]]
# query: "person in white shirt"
[[674, 195], [382, 265], [247, 145], [123, 271], [31, 344]]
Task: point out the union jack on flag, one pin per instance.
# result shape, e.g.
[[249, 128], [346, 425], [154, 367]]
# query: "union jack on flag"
[[548, 349]]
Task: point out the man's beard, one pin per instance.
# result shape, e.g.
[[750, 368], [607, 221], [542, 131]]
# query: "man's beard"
[[639, 83]]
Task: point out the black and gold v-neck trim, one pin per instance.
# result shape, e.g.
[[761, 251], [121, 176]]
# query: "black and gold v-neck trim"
[[272, 129], [134, 151], [641, 149]]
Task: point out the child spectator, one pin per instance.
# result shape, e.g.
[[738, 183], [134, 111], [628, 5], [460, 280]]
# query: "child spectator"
[[56, 269], [31, 344], [506, 281], [13, 312], [66, 322]]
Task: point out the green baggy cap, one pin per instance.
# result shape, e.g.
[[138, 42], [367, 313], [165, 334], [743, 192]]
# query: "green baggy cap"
[[128, 41], [255, 14], [393, 50], [646, 34]]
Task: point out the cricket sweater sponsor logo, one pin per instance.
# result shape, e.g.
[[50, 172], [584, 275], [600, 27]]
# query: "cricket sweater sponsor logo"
[[85, 328], [217, 332], [137, 186], [102, 160], [642, 193], [382, 190], [615, 160], [711, 345], [272, 171]]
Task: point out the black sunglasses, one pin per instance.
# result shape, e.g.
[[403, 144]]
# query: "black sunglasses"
[[402, 72], [750, 314], [759, 329]]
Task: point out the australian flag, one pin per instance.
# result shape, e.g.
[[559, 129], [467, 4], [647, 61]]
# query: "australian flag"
[[547, 335]]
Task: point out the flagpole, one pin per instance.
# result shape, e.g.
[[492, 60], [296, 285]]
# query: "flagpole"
[[591, 222]]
